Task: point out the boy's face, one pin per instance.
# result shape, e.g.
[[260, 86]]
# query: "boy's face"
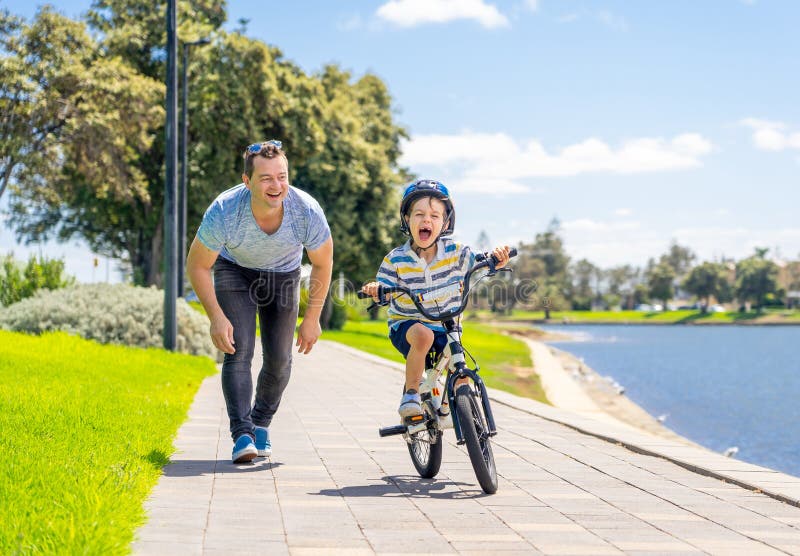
[[425, 221]]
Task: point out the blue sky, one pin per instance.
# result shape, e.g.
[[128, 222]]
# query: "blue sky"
[[635, 123]]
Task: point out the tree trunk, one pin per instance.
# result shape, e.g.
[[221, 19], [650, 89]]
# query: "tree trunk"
[[6, 177], [327, 312], [373, 312]]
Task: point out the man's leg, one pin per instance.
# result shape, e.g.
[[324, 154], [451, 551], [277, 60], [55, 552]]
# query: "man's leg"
[[232, 286], [278, 315]]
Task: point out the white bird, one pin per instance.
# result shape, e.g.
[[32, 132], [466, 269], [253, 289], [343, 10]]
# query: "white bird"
[[730, 452]]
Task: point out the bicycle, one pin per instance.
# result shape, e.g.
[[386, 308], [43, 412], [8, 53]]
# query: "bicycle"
[[471, 413]]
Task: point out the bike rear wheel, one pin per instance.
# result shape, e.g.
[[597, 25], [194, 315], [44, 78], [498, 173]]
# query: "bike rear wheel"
[[476, 436], [425, 449]]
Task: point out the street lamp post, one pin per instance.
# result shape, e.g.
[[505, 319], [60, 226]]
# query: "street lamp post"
[[171, 159], [182, 190]]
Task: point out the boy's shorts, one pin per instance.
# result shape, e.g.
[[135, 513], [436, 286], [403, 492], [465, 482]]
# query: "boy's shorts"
[[398, 337]]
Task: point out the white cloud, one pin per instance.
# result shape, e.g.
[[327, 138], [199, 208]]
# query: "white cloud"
[[612, 21], [352, 23], [738, 242], [568, 18], [623, 212], [772, 136], [481, 158], [594, 226], [605, 17], [410, 13], [532, 5], [609, 243]]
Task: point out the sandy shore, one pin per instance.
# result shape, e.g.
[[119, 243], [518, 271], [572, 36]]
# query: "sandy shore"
[[572, 385]]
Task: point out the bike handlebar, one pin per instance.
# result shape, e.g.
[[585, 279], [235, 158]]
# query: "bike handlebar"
[[483, 260]]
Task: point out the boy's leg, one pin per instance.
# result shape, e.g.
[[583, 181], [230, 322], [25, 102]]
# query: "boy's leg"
[[420, 338]]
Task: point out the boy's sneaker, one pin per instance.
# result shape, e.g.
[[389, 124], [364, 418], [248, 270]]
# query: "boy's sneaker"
[[262, 442], [244, 450], [410, 405]]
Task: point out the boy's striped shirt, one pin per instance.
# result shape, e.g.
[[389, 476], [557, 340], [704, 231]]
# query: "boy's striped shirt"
[[403, 267]]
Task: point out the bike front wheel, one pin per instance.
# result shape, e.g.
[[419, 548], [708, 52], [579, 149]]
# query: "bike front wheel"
[[426, 452], [476, 436]]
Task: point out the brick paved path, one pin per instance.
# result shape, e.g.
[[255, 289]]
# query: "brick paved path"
[[333, 486]]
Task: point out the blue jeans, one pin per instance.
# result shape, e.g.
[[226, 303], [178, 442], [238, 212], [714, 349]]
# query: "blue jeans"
[[275, 296]]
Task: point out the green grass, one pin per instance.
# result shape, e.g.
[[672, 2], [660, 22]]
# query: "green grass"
[[86, 429], [497, 354], [770, 316]]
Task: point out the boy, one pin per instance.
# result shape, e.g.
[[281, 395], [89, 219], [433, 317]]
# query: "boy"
[[428, 261]]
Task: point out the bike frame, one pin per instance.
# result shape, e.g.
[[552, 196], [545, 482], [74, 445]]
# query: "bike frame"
[[458, 369]]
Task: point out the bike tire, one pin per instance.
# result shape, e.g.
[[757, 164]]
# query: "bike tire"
[[476, 436], [425, 449]]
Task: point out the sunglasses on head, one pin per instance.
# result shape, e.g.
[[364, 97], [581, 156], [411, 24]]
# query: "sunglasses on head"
[[256, 148]]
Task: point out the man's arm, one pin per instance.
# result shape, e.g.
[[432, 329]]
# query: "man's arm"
[[198, 267], [318, 284]]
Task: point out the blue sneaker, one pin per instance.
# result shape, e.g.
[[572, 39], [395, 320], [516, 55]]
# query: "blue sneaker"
[[244, 450], [262, 442]]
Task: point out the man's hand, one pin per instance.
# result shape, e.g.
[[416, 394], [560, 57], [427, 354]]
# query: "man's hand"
[[308, 334], [501, 254], [222, 334]]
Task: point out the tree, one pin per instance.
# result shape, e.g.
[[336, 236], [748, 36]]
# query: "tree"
[[621, 283], [756, 277], [545, 263], [106, 179], [679, 258], [483, 243], [67, 113], [706, 280], [793, 281], [81, 161], [659, 282], [584, 278], [355, 175]]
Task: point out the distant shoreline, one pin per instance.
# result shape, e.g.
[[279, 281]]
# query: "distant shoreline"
[[649, 323]]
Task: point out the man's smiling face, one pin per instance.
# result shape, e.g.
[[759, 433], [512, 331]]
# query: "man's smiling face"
[[269, 183]]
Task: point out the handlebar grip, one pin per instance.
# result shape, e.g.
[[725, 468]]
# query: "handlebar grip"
[[480, 257]]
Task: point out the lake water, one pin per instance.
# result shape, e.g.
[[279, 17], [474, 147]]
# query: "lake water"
[[720, 386]]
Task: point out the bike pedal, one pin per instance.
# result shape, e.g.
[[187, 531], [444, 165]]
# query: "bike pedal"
[[414, 419]]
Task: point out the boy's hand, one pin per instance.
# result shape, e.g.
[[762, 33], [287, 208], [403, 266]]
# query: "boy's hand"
[[501, 254], [371, 289]]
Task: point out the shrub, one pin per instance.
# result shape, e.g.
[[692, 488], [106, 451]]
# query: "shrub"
[[115, 314], [17, 283]]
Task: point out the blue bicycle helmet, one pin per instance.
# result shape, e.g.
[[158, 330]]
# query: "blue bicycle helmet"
[[428, 188]]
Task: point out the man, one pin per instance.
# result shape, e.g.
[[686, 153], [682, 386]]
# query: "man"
[[253, 236]]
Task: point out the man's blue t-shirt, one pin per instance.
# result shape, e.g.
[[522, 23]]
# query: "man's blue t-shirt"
[[229, 227]]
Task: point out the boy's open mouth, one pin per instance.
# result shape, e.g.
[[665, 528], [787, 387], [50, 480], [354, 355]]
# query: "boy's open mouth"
[[425, 234], [274, 195]]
